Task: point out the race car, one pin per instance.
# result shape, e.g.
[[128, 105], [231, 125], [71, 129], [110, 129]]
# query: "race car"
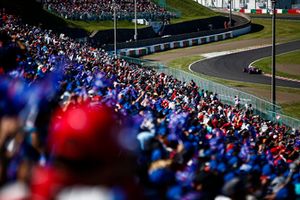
[[252, 70]]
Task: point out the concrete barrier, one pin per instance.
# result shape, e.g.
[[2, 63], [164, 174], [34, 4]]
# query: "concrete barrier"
[[136, 52], [141, 51]]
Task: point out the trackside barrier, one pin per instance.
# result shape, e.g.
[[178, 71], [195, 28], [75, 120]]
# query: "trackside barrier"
[[226, 94], [283, 119], [265, 11], [144, 50], [136, 52], [241, 31]]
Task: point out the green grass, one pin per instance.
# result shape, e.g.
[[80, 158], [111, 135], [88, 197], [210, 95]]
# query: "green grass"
[[101, 25], [293, 110], [190, 10], [286, 30], [183, 62], [287, 58]]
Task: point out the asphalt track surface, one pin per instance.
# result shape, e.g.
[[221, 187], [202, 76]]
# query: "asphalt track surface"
[[231, 66]]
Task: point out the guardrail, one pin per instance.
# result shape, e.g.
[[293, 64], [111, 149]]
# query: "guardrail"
[[186, 40], [141, 51], [136, 52], [226, 94], [268, 11]]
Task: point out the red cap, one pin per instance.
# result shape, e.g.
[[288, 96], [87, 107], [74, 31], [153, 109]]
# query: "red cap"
[[84, 132]]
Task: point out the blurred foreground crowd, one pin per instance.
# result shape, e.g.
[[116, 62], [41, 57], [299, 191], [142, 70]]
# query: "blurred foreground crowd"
[[94, 10], [77, 123]]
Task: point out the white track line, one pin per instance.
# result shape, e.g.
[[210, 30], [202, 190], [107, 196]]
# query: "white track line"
[[222, 53]]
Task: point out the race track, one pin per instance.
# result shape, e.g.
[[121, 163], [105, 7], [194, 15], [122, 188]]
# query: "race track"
[[231, 66]]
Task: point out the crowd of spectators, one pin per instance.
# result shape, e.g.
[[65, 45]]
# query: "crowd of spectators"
[[94, 10], [76, 122]]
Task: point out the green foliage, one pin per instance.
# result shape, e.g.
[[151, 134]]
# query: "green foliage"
[[292, 110], [184, 62], [287, 58], [190, 8], [285, 30], [101, 25]]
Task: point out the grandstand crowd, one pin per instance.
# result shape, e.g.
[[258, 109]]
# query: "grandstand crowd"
[[103, 9], [76, 122]]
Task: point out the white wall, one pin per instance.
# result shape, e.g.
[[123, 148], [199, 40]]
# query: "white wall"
[[236, 4], [251, 4]]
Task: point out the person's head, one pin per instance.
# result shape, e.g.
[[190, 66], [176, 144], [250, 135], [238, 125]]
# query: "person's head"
[[86, 148], [8, 53], [4, 38], [84, 132], [90, 138]]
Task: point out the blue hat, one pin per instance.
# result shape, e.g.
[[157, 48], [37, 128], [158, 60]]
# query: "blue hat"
[[13, 96], [161, 176], [233, 161], [253, 158], [188, 145], [156, 155], [172, 137], [267, 170], [192, 129], [174, 193], [283, 193], [213, 164], [207, 152], [229, 176], [296, 177], [222, 167], [162, 130], [256, 168]]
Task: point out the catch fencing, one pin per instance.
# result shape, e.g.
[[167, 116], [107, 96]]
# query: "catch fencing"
[[261, 107]]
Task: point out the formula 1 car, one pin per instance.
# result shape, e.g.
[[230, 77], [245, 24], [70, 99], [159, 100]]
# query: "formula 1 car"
[[252, 70]]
